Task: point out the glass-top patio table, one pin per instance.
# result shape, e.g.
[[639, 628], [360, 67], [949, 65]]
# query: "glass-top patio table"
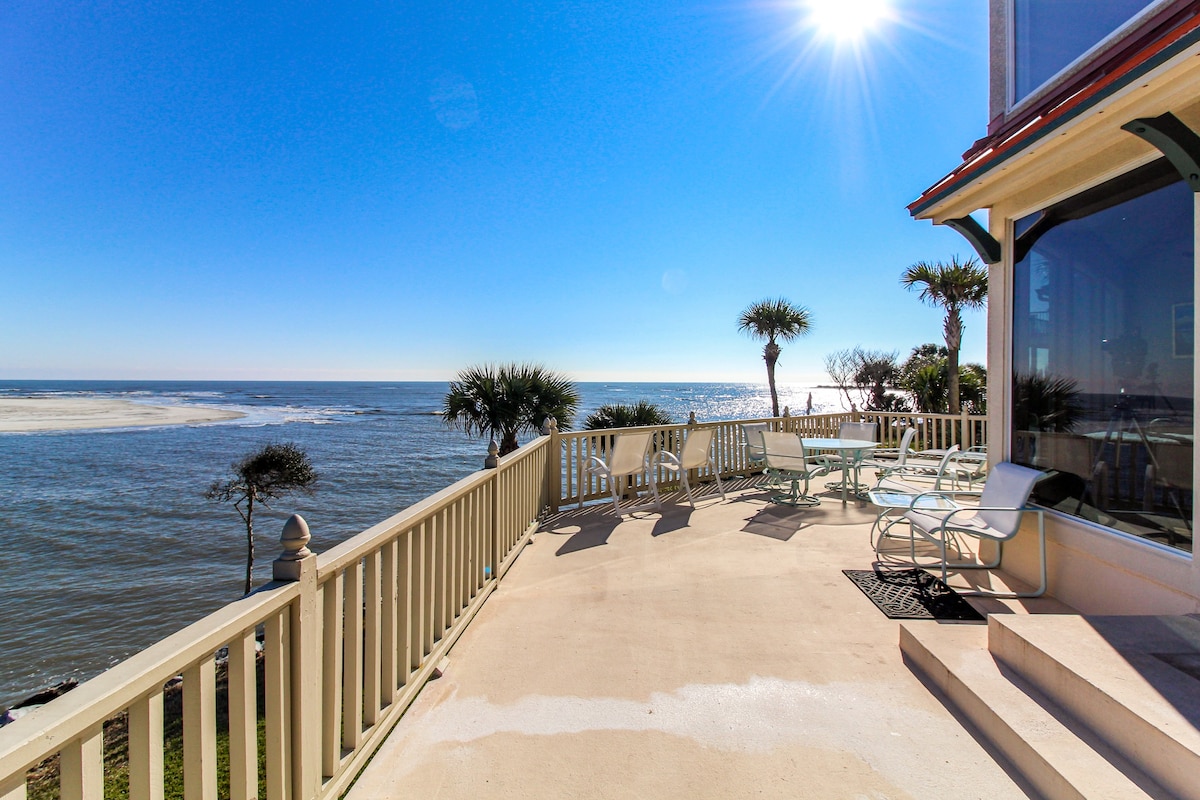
[[852, 451]]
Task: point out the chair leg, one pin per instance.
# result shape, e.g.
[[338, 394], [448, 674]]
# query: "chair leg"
[[717, 475], [687, 487]]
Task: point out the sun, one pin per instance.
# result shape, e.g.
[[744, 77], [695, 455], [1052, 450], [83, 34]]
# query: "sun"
[[846, 21]]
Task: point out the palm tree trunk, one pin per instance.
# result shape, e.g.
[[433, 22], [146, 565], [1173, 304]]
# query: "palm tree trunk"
[[771, 355], [953, 331], [249, 540], [509, 443]]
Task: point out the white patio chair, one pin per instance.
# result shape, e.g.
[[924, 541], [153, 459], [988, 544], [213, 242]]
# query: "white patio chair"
[[969, 467], [696, 454], [751, 432], [997, 518], [888, 457], [628, 458], [917, 478], [787, 460]]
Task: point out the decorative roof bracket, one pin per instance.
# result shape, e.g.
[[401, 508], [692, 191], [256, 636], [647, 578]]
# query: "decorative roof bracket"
[[984, 243], [1177, 141]]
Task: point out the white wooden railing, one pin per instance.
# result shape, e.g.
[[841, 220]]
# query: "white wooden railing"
[[349, 636], [574, 485]]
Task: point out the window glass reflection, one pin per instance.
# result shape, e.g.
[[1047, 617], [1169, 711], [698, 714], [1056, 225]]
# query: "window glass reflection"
[[1102, 354], [1049, 34]]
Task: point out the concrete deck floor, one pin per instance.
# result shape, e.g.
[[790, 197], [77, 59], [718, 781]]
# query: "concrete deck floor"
[[708, 653]]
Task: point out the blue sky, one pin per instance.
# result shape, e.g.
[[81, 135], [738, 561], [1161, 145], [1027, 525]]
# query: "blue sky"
[[391, 191]]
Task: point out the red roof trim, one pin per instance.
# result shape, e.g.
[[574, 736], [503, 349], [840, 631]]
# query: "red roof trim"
[[1148, 58]]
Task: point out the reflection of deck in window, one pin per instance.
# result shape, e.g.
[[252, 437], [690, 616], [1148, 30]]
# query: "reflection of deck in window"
[[1102, 399]]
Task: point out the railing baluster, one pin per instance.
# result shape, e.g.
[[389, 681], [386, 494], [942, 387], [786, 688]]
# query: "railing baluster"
[[81, 766], [429, 588], [404, 606], [438, 573], [274, 679], [388, 643], [331, 674], [146, 749], [199, 731], [243, 718], [372, 668], [352, 661]]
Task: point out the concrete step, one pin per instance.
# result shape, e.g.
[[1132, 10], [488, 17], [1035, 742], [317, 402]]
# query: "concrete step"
[[1024, 726], [1135, 681]]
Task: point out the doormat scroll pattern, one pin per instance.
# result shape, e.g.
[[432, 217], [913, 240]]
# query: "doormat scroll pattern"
[[912, 594]]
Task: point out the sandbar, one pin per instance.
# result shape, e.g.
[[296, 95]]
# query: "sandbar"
[[29, 414]]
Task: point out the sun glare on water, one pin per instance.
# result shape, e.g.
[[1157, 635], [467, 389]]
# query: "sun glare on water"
[[846, 21]]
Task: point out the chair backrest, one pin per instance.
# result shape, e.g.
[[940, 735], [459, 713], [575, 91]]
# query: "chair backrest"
[[910, 433], [784, 451], [863, 431], [1008, 486], [754, 445], [629, 453], [696, 447]]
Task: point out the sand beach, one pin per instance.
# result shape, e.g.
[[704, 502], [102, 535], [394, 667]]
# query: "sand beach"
[[28, 414]]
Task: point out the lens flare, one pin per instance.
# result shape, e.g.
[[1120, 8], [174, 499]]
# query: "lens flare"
[[847, 20]]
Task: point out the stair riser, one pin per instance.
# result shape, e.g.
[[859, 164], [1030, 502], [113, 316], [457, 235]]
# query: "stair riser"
[[1023, 756], [1172, 765]]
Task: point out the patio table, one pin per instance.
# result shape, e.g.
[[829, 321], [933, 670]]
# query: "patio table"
[[848, 448], [892, 500]]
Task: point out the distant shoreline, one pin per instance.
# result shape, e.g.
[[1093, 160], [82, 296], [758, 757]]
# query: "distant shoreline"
[[36, 414]]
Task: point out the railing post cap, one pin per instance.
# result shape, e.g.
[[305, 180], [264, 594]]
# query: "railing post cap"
[[692, 418], [493, 456], [786, 412], [294, 539]]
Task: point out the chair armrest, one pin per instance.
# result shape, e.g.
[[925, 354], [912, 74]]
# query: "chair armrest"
[[945, 522], [667, 459]]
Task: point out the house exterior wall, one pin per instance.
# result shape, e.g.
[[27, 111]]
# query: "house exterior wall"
[[1093, 568]]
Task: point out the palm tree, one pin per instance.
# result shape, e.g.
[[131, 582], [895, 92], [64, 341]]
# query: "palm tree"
[[626, 416], [502, 401], [774, 320], [953, 286]]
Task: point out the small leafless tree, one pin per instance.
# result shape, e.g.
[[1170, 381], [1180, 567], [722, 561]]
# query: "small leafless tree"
[[842, 366], [269, 473]]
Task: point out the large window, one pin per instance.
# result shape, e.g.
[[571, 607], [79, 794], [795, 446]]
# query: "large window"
[[1102, 354], [1049, 34]]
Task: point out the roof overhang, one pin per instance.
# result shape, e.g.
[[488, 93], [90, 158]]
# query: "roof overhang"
[[1079, 139]]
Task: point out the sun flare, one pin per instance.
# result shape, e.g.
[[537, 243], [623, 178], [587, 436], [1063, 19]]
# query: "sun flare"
[[847, 20]]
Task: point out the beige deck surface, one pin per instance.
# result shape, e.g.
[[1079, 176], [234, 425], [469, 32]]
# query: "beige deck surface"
[[715, 653]]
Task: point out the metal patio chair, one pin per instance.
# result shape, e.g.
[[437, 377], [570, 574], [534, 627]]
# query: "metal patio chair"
[[696, 454], [997, 518], [788, 461], [628, 457]]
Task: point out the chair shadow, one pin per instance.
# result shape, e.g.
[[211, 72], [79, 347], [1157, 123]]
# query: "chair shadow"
[[587, 527], [675, 516], [777, 522]]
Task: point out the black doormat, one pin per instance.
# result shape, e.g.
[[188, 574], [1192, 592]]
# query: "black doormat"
[[912, 594]]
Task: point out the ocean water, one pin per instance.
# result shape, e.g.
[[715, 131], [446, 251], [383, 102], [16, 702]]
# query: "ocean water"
[[110, 544]]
